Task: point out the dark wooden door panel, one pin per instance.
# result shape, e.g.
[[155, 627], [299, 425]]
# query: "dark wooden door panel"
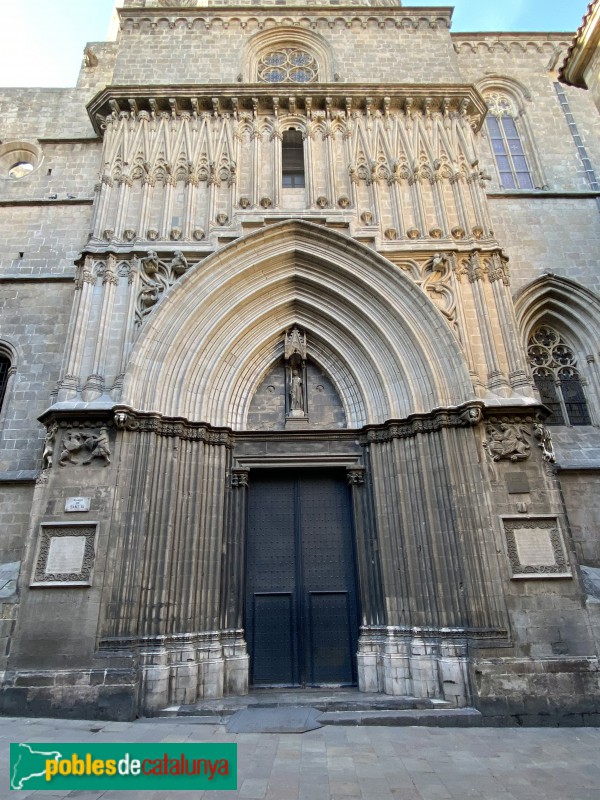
[[301, 608], [274, 640], [331, 653]]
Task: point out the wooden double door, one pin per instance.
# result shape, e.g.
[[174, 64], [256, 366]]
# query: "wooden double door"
[[301, 610]]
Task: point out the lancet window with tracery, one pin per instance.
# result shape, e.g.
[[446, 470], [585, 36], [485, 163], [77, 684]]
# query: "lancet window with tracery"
[[557, 378], [507, 143]]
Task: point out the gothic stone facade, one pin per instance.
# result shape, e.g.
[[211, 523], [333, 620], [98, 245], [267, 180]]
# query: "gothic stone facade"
[[281, 285]]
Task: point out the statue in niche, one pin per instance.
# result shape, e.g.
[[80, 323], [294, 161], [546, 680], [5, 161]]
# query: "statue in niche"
[[296, 392], [295, 371]]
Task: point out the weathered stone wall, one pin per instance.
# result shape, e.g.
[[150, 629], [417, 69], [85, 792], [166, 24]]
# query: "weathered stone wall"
[[66, 169], [35, 317], [206, 46], [581, 491], [553, 235]]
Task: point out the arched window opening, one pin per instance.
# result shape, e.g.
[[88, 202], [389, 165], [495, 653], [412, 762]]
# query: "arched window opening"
[[4, 375], [557, 378], [507, 143], [292, 160], [287, 65]]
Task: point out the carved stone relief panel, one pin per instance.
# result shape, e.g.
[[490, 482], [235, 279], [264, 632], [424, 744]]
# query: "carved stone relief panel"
[[81, 447], [434, 275], [507, 442]]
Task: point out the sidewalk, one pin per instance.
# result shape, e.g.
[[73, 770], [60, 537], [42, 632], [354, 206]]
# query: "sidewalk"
[[353, 763]]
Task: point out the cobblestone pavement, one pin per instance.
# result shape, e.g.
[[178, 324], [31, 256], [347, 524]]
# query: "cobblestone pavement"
[[346, 763]]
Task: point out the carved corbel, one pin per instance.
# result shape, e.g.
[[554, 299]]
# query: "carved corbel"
[[355, 476], [240, 478]]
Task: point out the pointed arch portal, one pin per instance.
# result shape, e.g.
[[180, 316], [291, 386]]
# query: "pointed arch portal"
[[385, 346]]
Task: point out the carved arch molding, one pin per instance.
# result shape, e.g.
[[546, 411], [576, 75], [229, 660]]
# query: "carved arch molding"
[[381, 340]]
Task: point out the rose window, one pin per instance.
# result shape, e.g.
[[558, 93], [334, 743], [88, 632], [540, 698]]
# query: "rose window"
[[287, 65]]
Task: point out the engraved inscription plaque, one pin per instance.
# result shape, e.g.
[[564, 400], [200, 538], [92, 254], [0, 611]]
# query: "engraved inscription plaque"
[[77, 504], [65, 555], [535, 548]]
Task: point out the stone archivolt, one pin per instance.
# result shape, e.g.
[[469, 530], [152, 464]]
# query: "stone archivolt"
[[291, 274]]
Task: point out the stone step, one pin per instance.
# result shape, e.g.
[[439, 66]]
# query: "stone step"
[[429, 717], [297, 719], [336, 707]]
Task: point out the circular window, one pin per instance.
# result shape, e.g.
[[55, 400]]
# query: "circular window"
[[288, 64], [19, 159], [20, 169]]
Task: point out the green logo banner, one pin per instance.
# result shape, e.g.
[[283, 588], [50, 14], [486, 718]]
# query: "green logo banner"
[[87, 767]]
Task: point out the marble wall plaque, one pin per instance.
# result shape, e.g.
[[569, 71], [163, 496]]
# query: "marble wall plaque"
[[535, 548], [77, 504], [65, 555]]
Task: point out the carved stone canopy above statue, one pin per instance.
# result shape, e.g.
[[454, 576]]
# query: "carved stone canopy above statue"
[[295, 344]]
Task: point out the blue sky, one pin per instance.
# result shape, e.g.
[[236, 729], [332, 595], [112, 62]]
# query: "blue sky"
[[42, 41]]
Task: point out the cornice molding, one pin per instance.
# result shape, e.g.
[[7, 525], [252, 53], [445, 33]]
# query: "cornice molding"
[[542, 43], [231, 99], [465, 416], [298, 14], [582, 49]]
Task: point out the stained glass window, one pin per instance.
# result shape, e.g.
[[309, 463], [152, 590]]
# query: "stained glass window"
[[507, 144], [287, 64], [557, 378]]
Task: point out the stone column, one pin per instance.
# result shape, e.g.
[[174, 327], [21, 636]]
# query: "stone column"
[[440, 206], [155, 669], [95, 383], [459, 200], [397, 215], [165, 225], [370, 676], [397, 664], [518, 373], [189, 214], [235, 651], [147, 192], [453, 668], [424, 655], [78, 326], [495, 377], [103, 205], [123, 204]]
